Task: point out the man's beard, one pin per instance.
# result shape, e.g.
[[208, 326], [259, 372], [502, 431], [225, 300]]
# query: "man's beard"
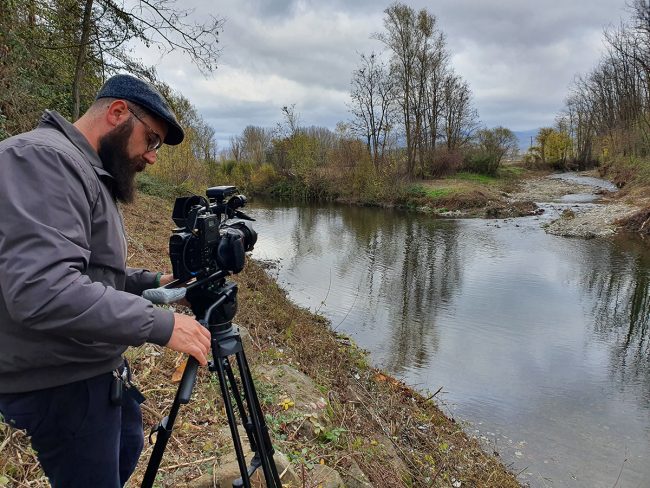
[[113, 152]]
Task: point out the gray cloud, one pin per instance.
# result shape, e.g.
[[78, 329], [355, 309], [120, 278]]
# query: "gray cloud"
[[518, 57]]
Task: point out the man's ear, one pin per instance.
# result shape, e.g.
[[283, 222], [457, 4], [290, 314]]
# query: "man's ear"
[[118, 112]]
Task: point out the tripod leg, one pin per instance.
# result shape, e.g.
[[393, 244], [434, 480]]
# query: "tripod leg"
[[260, 430], [232, 422], [245, 417]]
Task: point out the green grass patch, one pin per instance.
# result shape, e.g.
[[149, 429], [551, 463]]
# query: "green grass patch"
[[423, 191], [511, 171], [474, 177]]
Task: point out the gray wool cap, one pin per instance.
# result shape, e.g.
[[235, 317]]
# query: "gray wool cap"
[[127, 87]]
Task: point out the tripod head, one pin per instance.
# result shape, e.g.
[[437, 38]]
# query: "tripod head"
[[214, 303]]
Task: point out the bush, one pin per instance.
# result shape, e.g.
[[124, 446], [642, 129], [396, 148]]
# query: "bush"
[[226, 167], [263, 178], [482, 162], [446, 163], [151, 185]]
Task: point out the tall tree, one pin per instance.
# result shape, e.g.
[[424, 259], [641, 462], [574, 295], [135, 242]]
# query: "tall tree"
[[461, 120], [402, 39], [373, 97], [434, 103], [65, 48]]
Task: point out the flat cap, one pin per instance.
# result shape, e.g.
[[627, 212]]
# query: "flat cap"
[[127, 87]]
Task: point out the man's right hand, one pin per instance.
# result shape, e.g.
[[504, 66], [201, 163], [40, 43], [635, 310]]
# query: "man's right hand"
[[190, 337]]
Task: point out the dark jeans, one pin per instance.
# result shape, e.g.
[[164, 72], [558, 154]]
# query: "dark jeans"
[[81, 439]]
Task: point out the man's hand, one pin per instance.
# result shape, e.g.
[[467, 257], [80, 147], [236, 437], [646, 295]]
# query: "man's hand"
[[166, 279], [190, 337]]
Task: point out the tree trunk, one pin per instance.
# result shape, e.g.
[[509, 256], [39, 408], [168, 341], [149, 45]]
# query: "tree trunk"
[[81, 59]]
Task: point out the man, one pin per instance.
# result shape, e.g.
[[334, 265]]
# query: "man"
[[69, 306]]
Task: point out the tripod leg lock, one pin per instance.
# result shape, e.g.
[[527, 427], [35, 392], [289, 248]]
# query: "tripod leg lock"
[[161, 429], [256, 462]]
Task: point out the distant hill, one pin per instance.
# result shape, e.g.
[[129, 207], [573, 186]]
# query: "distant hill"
[[524, 138]]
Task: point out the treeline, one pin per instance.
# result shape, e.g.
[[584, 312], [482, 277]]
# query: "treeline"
[[607, 113], [412, 117]]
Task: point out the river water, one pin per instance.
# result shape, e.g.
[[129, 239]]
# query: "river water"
[[540, 343]]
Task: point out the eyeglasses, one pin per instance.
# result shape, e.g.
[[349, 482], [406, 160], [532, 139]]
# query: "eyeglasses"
[[154, 140]]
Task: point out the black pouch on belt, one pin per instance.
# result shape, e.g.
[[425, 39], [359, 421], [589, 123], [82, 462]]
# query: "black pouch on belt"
[[122, 385]]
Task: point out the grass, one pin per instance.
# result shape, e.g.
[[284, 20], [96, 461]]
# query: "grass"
[[374, 422], [470, 193], [478, 178], [419, 191]]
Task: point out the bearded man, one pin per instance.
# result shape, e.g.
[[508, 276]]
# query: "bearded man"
[[69, 305]]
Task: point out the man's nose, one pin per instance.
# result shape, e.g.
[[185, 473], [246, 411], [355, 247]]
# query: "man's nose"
[[151, 156]]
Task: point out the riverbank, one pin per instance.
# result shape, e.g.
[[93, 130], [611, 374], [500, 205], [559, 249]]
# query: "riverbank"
[[334, 420], [586, 207]]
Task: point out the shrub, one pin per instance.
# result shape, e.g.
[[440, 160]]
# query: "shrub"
[[158, 187], [482, 162], [263, 178], [445, 163]]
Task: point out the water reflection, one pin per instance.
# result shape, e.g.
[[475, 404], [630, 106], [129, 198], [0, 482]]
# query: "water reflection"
[[619, 281], [540, 341], [405, 270]]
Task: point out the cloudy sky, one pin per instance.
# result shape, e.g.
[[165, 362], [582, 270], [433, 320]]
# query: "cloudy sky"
[[518, 56]]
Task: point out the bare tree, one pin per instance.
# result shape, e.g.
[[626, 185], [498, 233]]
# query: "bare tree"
[[106, 26], [372, 105], [256, 142], [610, 106], [460, 119], [434, 103], [402, 39], [236, 148], [291, 123]]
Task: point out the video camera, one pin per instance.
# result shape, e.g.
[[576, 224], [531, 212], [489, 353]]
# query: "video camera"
[[206, 239]]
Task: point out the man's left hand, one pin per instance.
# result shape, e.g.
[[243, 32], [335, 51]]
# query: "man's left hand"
[[166, 279]]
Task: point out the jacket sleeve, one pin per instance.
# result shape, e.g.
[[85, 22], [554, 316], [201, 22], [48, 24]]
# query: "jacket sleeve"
[[138, 280], [46, 201]]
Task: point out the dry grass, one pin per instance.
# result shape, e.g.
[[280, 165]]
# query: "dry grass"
[[395, 435]]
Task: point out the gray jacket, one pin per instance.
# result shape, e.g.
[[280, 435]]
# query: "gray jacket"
[[69, 306]]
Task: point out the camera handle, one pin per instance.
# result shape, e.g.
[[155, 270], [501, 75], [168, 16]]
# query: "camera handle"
[[225, 343]]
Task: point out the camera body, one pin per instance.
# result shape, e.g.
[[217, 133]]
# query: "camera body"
[[212, 234]]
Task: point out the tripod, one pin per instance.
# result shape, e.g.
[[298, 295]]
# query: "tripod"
[[214, 303]]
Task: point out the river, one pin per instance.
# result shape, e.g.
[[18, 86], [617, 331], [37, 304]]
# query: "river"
[[539, 343]]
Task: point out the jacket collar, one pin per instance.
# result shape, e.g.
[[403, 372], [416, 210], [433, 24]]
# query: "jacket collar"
[[51, 118]]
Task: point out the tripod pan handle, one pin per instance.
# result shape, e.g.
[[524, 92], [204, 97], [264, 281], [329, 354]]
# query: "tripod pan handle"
[[188, 380]]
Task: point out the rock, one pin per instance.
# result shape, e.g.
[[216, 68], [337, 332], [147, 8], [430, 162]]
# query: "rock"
[[567, 213], [385, 447], [226, 470], [246, 340], [309, 404], [597, 220], [355, 478], [325, 477]]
